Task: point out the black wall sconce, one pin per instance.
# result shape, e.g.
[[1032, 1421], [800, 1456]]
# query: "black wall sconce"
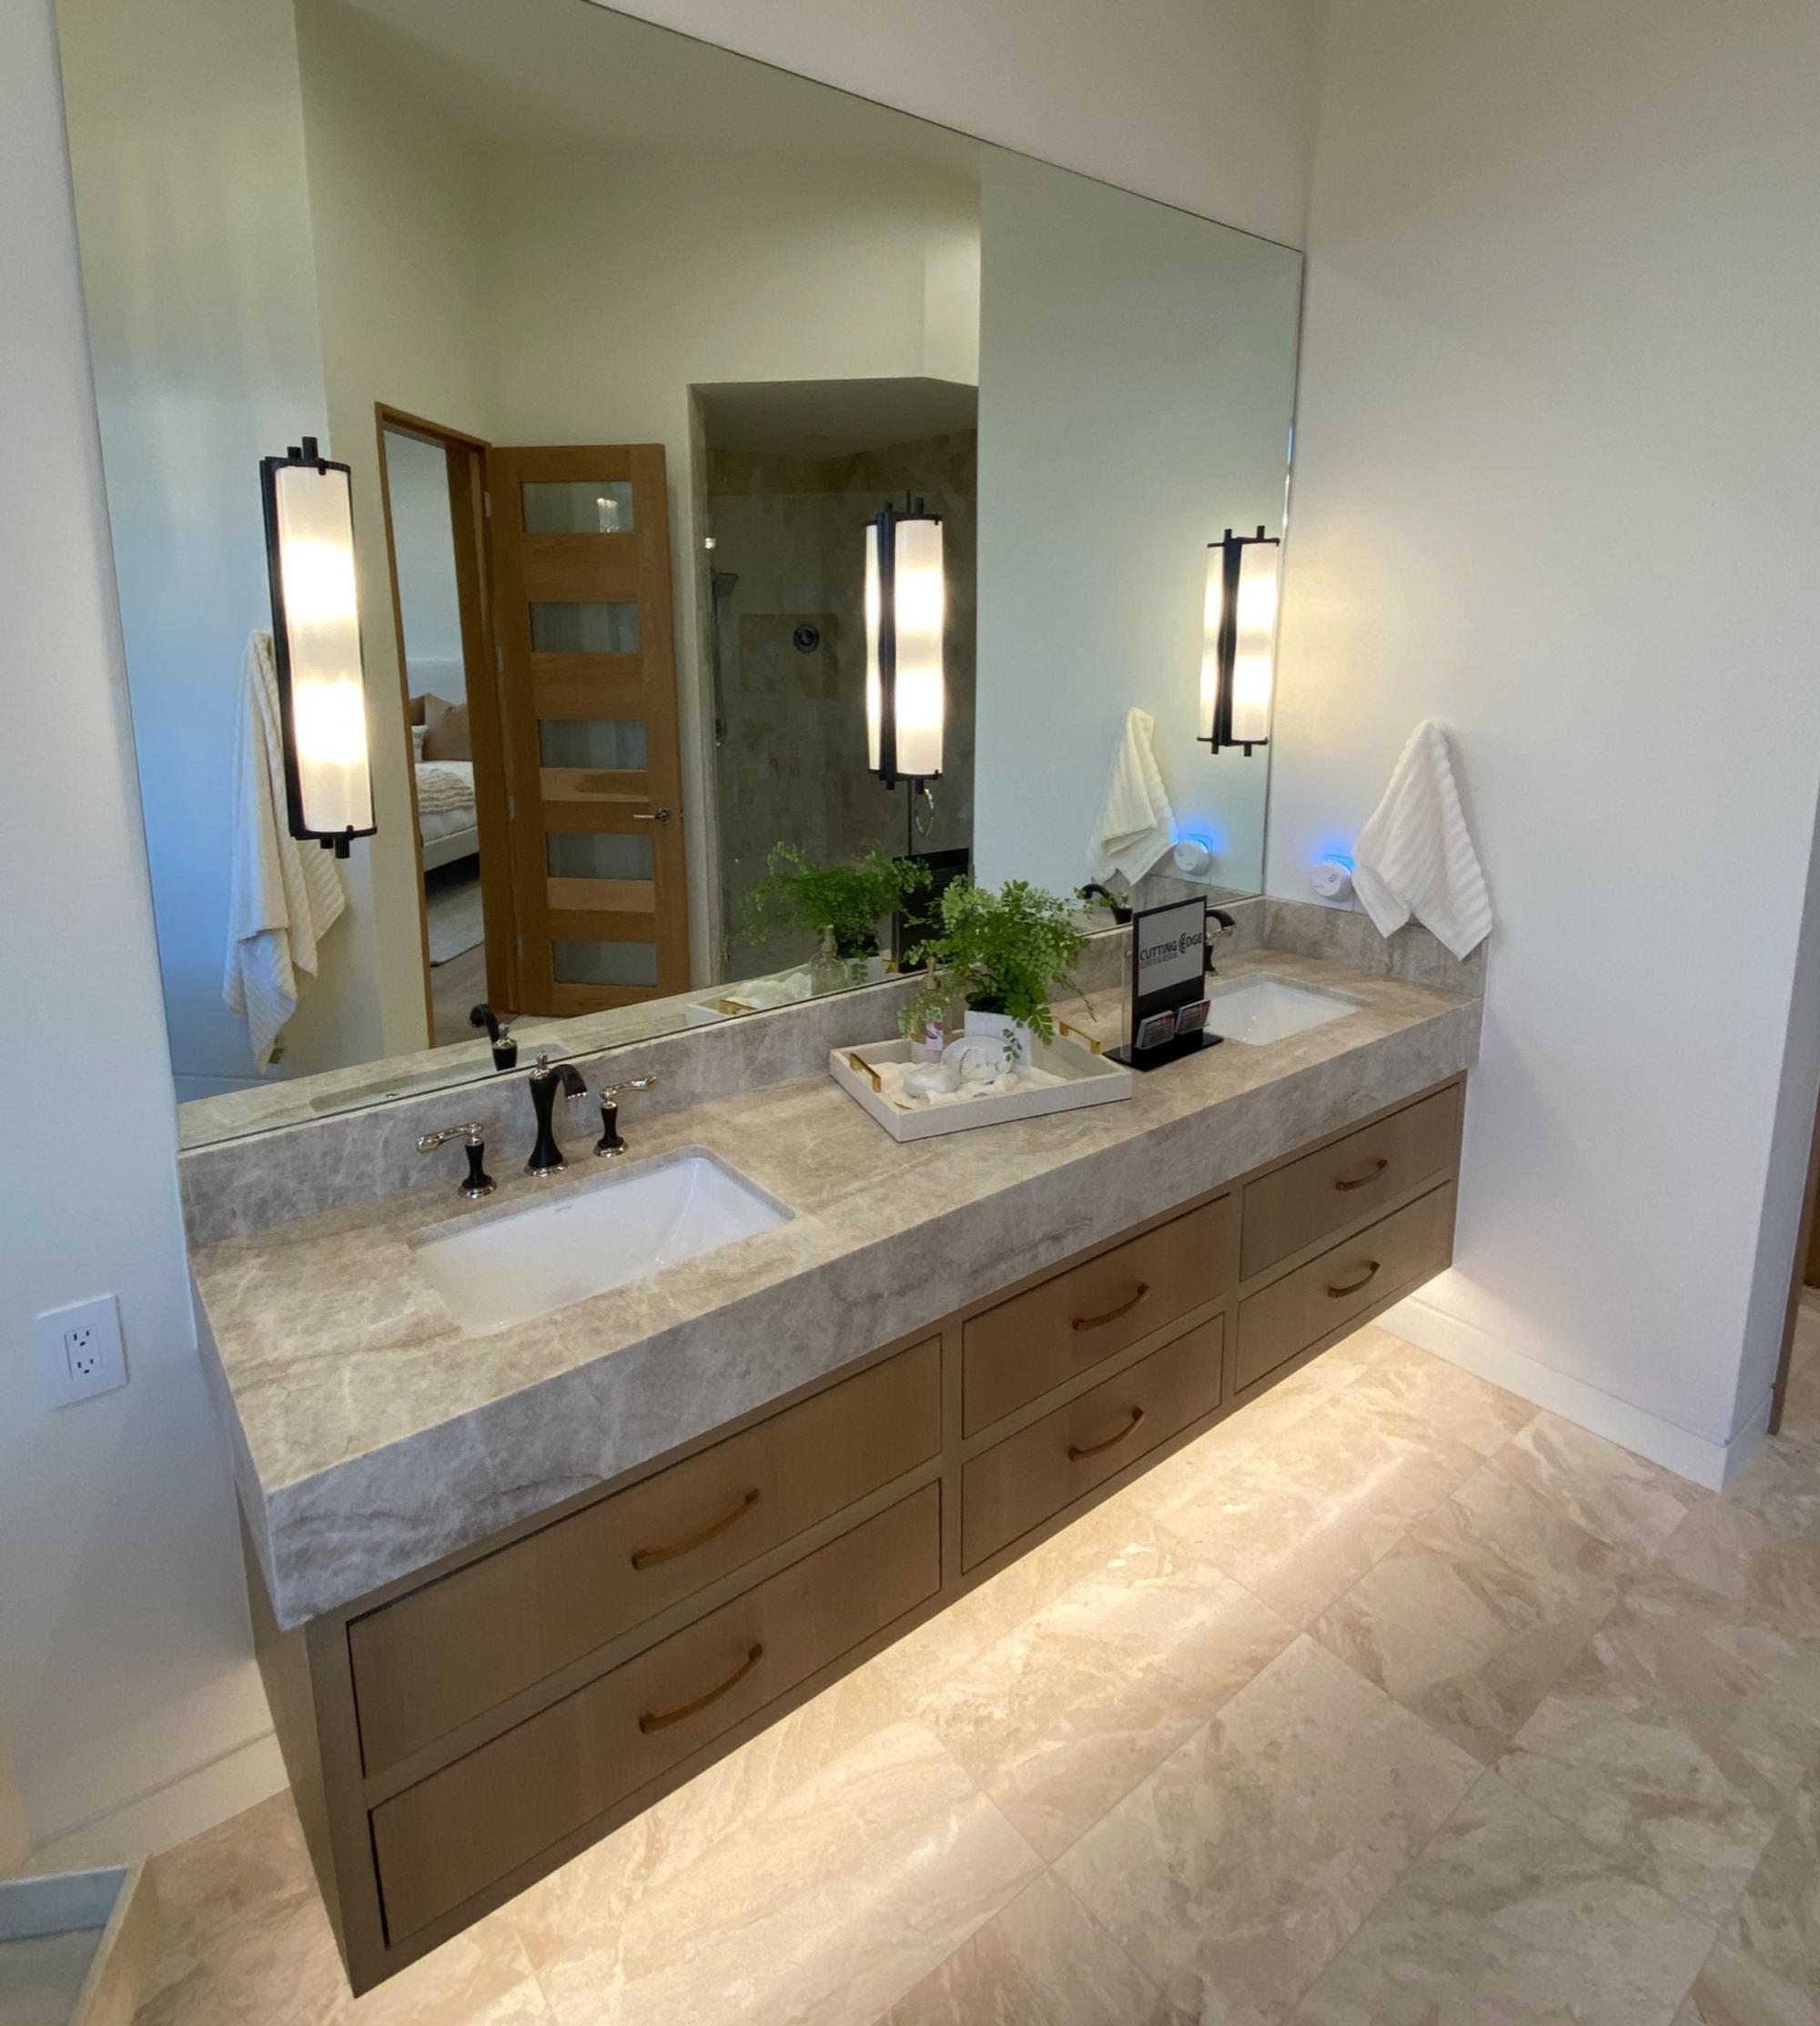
[[316, 641], [905, 614], [1238, 649]]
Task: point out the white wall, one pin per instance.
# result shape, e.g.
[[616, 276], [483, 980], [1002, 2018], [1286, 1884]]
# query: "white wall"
[[201, 294], [1203, 102], [423, 541], [1556, 485], [1137, 378], [396, 201], [633, 274], [124, 1662]]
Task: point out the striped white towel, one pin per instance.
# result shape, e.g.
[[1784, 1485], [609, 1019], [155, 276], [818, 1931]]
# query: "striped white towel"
[[1415, 856], [1136, 824]]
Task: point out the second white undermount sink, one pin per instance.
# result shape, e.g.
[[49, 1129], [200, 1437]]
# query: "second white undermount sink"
[[1267, 1009], [494, 1272]]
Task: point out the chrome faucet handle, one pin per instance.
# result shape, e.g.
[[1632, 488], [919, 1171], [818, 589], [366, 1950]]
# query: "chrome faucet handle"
[[473, 1137], [610, 1146]]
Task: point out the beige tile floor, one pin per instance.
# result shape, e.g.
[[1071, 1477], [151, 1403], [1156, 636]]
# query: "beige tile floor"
[[1392, 1702]]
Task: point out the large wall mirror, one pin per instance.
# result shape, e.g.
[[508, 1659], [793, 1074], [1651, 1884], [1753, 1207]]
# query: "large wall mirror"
[[628, 342]]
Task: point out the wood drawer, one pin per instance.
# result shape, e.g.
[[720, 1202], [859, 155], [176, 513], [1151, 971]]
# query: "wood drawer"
[[1030, 1344], [454, 1833], [1023, 1480], [1295, 1205], [461, 1644], [1284, 1318]]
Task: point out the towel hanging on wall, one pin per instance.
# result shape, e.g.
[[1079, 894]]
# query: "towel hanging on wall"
[[1415, 856], [282, 895], [1136, 824]]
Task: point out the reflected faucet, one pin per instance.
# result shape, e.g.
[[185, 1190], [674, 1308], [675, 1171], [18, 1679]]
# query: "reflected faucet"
[[546, 1156]]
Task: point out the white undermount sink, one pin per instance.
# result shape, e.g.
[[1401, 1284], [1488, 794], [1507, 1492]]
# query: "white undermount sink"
[[1267, 1009], [494, 1272]]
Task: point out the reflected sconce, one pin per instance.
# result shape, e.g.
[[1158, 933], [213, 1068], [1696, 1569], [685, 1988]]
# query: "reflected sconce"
[[316, 641], [905, 614], [1238, 650]]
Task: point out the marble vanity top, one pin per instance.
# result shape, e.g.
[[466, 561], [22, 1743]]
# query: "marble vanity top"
[[371, 1436]]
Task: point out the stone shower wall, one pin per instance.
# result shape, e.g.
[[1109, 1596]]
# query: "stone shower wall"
[[790, 756]]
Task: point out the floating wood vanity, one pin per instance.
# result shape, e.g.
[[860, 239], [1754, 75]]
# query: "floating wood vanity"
[[461, 1731]]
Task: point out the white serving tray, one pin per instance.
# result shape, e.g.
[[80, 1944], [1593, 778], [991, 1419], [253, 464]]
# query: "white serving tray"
[[1092, 1080]]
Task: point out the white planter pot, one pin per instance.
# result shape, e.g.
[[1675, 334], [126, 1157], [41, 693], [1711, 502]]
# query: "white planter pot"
[[996, 1026]]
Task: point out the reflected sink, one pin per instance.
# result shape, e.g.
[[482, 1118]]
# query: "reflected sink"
[[1261, 1009], [495, 1272]]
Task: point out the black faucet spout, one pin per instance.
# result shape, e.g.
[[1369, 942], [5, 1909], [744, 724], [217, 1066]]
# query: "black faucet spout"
[[545, 1080]]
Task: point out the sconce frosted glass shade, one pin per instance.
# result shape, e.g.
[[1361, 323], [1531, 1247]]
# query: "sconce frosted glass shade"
[[905, 617], [1254, 648], [1238, 641], [316, 632]]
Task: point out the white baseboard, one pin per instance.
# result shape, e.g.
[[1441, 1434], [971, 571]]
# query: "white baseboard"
[[1697, 1457], [199, 1800]]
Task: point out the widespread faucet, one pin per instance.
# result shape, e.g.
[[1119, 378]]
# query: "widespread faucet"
[[546, 1156]]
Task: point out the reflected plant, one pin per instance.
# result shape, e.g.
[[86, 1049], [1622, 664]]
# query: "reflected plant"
[[848, 900]]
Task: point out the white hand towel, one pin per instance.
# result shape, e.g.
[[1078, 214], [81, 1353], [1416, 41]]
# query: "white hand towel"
[[283, 894], [1415, 856], [1136, 824]]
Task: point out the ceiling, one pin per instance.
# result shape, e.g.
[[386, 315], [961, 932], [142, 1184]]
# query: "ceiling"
[[570, 74], [817, 418]]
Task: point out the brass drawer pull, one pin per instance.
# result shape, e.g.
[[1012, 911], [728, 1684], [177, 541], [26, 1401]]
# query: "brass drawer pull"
[[661, 1719], [1094, 1448], [1353, 1287], [648, 1558], [1370, 1174], [1112, 1315]]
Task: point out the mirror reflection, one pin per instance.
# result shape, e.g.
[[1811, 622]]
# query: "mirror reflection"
[[767, 509]]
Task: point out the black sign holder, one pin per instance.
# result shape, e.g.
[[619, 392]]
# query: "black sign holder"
[[1168, 987]]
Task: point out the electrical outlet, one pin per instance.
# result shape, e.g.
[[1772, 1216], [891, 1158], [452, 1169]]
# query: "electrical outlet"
[[80, 1352]]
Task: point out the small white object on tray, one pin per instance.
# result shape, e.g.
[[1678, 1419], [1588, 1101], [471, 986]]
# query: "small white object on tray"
[[885, 1079]]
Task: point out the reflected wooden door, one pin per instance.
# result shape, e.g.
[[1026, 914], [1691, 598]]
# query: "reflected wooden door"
[[588, 689]]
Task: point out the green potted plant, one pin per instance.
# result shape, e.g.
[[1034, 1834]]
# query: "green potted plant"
[[842, 903], [998, 956]]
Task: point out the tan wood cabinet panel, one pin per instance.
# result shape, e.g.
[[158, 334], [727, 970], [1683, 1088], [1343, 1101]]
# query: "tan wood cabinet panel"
[[1020, 1481], [463, 1644], [1029, 1345], [1289, 1315], [1298, 1204], [447, 1838]]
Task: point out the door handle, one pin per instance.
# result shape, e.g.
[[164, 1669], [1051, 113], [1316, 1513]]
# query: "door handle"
[[1076, 1454], [661, 1719], [651, 816], [1112, 1315], [648, 1558]]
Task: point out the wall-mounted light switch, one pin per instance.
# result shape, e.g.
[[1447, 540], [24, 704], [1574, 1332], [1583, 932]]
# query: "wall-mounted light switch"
[[80, 1351]]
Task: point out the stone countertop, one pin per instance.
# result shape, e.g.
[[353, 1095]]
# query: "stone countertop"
[[371, 1437]]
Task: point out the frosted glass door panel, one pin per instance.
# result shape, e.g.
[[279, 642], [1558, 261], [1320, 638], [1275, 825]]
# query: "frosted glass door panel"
[[577, 506], [593, 742], [575, 962], [596, 854], [572, 628]]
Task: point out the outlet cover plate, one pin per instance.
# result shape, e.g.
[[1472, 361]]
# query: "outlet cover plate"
[[80, 1351]]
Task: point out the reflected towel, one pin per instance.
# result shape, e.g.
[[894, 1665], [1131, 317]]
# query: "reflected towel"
[[1136, 824], [1415, 856], [282, 894]]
